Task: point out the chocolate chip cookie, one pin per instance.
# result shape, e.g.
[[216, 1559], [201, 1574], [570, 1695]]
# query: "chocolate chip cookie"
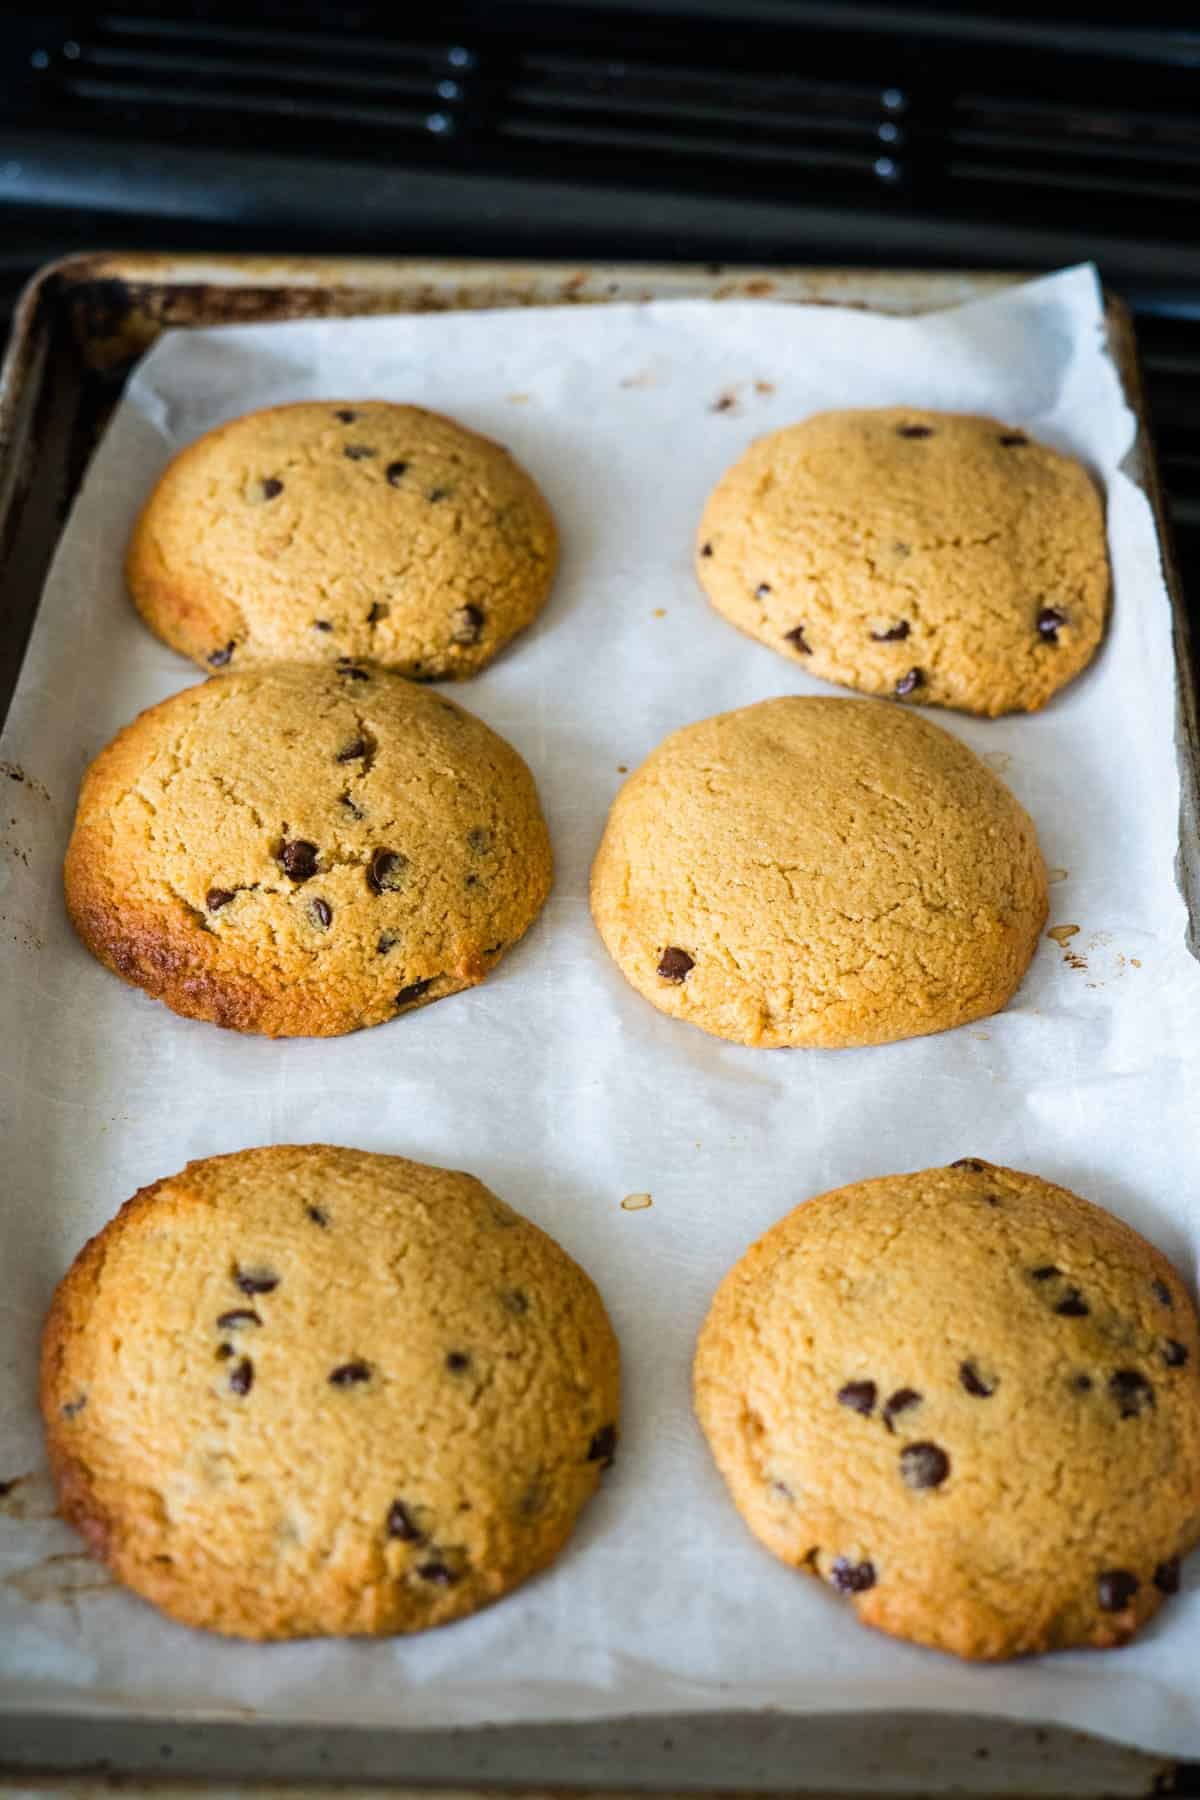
[[936, 557], [306, 1391], [969, 1401], [819, 872], [303, 851], [332, 529]]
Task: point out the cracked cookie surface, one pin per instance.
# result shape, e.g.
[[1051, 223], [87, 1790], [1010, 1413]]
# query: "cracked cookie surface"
[[939, 557], [327, 529], [902, 1405], [819, 872], [302, 851], [305, 1391]]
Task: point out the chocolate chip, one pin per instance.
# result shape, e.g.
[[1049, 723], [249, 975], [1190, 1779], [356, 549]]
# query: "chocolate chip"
[[255, 1281], [321, 914], [436, 494], [298, 858], [1174, 1354], [515, 1301], [438, 1572], [468, 623], [1048, 622], [532, 1502], [270, 487], [322, 625], [72, 1408], [216, 898], [1166, 1576], [218, 658], [1046, 1272], [402, 1525], [379, 610], [852, 1578], [387, 941], [908, 684], [348, 1374], [1132, 1392], [973, 1381], [457, 1361], [603, 1447], [706, 550], [351, 671], [241, 1315], [784, 1491], [241, 1376], [395, 472], [764, 587], [1115, 1588], [345, 415], [1011, 438], [1072, 1305], [924, 1465], [355, 812], [675, 964], [914, 431], [1161, 1292], [1081, 1384], [797, 638], [900, 1402], [412, 992], [479, 840], [895, 634], [385, 871], [317, 1216], [352, 752], [969, 1162], [859, 1396], [223, 1352], [356, 452]]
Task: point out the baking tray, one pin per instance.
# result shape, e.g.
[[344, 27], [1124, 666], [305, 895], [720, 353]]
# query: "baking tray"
[[79, 329]]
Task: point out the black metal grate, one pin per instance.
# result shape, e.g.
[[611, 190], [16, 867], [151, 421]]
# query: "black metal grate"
[[944, 120]]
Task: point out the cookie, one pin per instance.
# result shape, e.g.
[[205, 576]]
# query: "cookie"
[[302, 851], [304, 1391], [819, 872], [969, 1401], [331, 529], [937, 557]]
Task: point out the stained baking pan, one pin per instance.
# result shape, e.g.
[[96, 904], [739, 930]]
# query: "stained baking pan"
[[80, 328]]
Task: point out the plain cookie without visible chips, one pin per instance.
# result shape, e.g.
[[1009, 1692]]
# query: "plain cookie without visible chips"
[[819, 872], [968, 1400], [333, 529], [302, 851], [937, 557], [308, 1391]]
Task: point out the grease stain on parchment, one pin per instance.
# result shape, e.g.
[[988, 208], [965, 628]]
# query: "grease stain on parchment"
[[61, 1578]]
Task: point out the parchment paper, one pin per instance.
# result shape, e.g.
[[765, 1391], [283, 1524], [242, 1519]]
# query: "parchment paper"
[[554, 1081]]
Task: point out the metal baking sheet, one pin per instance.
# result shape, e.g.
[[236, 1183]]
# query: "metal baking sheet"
[[80, 328]]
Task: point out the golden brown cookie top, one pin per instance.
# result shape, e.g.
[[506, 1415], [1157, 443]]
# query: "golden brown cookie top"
[[306, 1390], [301, 851], [966, 1398], [819, 872], [330, 529], [941, 557]]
